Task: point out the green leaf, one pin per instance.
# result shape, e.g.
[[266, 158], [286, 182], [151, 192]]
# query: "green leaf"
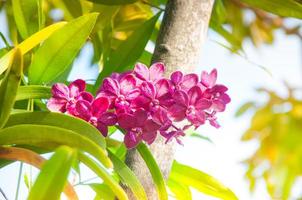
[[49, 137], [129, 51], [103, 191], [30, 43], [60, 49], [9, 86], [181, 191], [199, 136], [128, 177], [104, 175], [58, 120], [285, 8], [53, 175], [154, 170], [244, 108], [236, 44], [33, 92], [200, 181], [26, 18], [113, 2]]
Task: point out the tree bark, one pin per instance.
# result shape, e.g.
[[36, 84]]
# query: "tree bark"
[[182, 33]]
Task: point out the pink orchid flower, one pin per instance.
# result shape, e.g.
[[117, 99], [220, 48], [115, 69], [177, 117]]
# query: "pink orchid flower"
[[153, 96], [121, 92], [190, 105], [95, 112], [65, 97], [154, 73], [138, 127], [183, 82]]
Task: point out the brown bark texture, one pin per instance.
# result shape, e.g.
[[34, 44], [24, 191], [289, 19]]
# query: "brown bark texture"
[[182, 33]]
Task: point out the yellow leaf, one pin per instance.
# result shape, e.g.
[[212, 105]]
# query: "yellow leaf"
[[30, 43]]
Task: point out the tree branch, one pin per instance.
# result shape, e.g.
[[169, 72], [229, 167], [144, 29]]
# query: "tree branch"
[[179, 43]]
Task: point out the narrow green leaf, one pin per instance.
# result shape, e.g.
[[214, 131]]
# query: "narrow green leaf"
[[49, 137], [200, 181], [29, 44], [244, 108], [103, 191], [53, 175], [113, 2], [199, 136], [58, 120], [53, 57], [285, 8], [33, 92], [104, 175], [128, 177], [129, 51], [154, 170], [181, 191], [9, 86], [26, 18]]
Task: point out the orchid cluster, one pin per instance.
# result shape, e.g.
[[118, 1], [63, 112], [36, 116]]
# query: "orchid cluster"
[[144, 103]]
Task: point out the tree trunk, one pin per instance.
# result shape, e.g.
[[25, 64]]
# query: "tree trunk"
[[182, 33]]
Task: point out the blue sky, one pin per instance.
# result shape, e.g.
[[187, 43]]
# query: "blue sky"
[[221, 159]]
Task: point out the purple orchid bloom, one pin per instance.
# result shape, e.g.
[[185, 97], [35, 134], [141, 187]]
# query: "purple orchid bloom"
[[120, 93], [183, 82], [154, 73], [65, 97], [95, 113], [190, 105], [138, 127]]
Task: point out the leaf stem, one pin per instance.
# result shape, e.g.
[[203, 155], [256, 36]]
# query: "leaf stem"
[[3, 194], [4, 40], [152, 5], [19, 180]]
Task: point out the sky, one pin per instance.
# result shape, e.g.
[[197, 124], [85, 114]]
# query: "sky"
[[221, 158]]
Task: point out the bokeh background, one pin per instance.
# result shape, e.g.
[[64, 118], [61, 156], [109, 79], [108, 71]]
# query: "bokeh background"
[[267, 66]]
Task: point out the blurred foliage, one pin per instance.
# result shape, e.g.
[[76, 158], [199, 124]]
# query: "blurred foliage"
[[276, 126]]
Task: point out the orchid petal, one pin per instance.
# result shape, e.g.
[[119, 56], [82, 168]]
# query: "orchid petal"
[[148, 89], [194, 95], [127, 83], [131, 140], [126, 121], [176, 77], [99, 106], [156, 71], [203, 104], [102, 128], [140, 117], [111, 86], [207, 79], [149, 137], [83, 109], [56, 105], [108, 119], [76, 87], [181, 98], [60, 90], [177, 112], [189, 81], [141, 71], [162, 87], [85, 96]]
